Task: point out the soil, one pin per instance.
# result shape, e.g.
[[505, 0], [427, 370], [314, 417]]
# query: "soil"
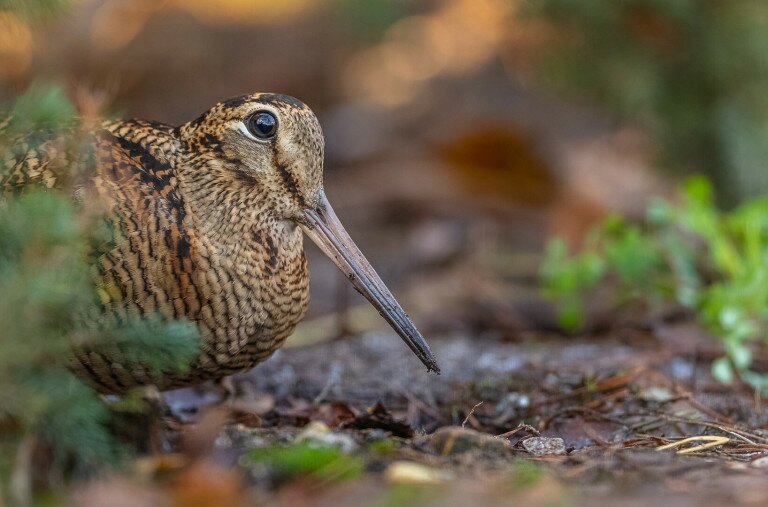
[[614, 399]]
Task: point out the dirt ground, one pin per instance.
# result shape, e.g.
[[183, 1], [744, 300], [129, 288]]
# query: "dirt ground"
[[485, 431]]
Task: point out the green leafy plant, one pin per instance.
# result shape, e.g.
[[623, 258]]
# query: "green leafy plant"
[[712, 262], [322, 463], [48, 302]]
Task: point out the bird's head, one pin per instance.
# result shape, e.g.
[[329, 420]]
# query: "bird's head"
[[270, 144], [273, 144]]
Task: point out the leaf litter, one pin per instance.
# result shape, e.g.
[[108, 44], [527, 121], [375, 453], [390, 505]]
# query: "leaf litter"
[[576, 421]]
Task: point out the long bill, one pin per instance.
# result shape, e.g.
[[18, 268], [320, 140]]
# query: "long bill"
[[324, 228]]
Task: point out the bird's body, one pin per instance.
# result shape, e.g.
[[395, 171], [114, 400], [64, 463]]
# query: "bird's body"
[[208, 221]]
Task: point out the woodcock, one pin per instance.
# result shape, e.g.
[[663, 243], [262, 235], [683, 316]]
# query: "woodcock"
[[210, 218]]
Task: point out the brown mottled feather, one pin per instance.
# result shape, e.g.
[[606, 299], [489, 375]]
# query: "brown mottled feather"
[[202, 230]]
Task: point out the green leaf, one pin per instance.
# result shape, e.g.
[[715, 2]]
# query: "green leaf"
[[698, 189], [305, 459], [710, 261]]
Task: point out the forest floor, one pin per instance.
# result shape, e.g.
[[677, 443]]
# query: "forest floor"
[[546, 420]]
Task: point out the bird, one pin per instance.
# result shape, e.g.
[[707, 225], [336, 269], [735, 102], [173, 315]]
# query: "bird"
[[209, 219]]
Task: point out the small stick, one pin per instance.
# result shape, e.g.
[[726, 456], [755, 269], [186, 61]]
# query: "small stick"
[[470, 414], [712, 441], [521, 426]]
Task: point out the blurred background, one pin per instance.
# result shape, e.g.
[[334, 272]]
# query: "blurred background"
[[460, 133]]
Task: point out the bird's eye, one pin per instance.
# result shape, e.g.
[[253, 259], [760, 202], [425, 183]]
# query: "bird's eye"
[[262, 125]]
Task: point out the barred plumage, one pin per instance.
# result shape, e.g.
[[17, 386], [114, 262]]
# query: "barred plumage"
[[208, 219]]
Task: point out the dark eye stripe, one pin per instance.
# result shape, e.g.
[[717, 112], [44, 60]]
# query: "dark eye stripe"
[[290, 183]]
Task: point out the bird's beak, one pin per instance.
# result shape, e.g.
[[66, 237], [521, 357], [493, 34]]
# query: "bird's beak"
[[324, 228]]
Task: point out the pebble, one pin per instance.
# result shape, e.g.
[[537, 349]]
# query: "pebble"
[[408, 472], [656, 394], [544, 446]]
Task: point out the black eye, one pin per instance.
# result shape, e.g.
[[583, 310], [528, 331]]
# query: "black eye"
[[262, 125]]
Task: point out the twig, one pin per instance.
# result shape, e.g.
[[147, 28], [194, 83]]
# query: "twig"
[[712, 441], [746, 436], [719, 426], [521, 426], [472, 411]]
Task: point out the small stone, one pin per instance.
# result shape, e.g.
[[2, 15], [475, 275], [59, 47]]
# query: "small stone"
[[319, 434], [315, 427], [408, 472], [544, 446], [656, 394], [452, 440]]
